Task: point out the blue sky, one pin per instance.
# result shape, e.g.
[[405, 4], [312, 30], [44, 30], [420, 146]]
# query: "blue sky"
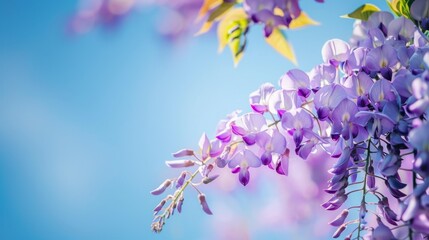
[[87, 122]]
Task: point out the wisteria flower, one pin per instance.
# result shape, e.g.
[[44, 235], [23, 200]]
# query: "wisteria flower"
[[248, 125], [382, 58], [343, 119], [327, 98], [298, 80], [282, 101], [366, 107], [270, 142], [381, 93], [402, 29], [224, 132], [421, 92], [420, 10], [244, 160], [259, 99], [335, 51], [297, 123], [358, 86]]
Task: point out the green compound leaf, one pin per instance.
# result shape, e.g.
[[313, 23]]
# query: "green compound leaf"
[[278, 41], [232, 31], [400, 7], [221, 10], [363, 12], [393, 5]]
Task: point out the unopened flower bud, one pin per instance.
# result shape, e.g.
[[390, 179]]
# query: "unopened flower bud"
[[179, 204], [362, 211], [336, 201], [348, 237], [161, 187], [180, 163], [390, 215], [210, 179], [370, 181], [220, 162], [339, 231], [159, 206], [204, 204], [181, 180], [340, 218], [183, 153], [206, 169]]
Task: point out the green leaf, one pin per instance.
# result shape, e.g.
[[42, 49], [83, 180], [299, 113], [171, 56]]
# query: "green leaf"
[[204, 28], [393, 7], [207, 6], [221, 10], [236, 43], [363, 12], [405, 9], [232, 31], [278, 41], [302, 20], [230, 18], [400, 7]]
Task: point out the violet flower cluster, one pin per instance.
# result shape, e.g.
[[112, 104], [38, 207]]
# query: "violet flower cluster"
[[366, 106]]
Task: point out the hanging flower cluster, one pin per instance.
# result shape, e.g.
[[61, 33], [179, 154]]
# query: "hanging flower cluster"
[[366, 106]]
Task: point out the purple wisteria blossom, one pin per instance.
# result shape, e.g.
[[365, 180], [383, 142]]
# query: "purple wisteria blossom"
[[243, 160], [421, 93], [420, 10], [343, 117], [363, 111], [248, 125], [296, 79], [335, 51], [298, 123], [272, 142], [327, 98], [260, 98]]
